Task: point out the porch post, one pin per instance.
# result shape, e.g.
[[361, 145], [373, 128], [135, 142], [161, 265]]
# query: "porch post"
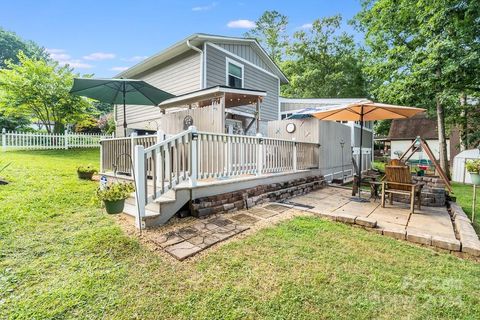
[[194, 157], [4, 140], [132, 146], [257, 115], [101, 156], [158, 162], [140, 176], [65, 138], [259, 154], [294, 154]]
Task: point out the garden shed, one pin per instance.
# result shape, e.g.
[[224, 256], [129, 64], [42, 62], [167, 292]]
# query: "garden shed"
[[460, 173]]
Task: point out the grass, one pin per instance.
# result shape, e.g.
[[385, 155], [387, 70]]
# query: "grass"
[[464, 194], [61, 257]]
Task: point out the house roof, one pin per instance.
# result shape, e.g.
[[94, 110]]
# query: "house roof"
[[196, 40], [417, 126]]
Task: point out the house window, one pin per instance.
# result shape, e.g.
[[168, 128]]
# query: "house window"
[[234, 74]]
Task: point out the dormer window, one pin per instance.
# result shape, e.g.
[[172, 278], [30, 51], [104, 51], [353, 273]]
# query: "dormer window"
[[234, 74]]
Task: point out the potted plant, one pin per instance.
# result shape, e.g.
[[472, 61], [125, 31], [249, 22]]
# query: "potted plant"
[[114, 194], [473, 167], [86, 172]]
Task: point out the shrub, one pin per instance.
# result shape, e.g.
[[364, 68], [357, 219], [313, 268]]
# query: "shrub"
[[115, 191], [89, 169], [473, 166]]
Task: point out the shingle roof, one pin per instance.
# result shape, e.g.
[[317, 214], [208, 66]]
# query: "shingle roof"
[[418, 125]]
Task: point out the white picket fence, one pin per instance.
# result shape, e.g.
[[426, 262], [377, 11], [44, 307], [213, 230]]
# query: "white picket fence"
[[36, 141]]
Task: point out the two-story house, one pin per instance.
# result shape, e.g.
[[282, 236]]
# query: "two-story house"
[[203, 61]]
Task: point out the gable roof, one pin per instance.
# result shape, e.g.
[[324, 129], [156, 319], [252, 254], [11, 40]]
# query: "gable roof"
[[416, 126], [196, 40]]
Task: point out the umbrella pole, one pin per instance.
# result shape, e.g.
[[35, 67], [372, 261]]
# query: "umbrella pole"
[[124, 112], [361, 156]]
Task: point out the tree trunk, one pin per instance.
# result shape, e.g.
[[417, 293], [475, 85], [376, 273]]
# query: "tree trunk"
[[464, 123], [442, 138]]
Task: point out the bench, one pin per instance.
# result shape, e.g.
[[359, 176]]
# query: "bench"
[[398, 180]]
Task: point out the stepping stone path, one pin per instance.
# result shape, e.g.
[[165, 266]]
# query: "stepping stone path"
[[189, 240]]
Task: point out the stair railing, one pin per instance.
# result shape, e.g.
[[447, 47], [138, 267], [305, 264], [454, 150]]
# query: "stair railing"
[[193, 155]]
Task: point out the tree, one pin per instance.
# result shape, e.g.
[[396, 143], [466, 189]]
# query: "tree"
[[270, 31], [382, 128], [11, 44], [39, 90], [13, 122], [323, 62], [422, 53]]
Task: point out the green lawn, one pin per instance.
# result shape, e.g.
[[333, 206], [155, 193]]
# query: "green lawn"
[[62, 258], [464, 194]]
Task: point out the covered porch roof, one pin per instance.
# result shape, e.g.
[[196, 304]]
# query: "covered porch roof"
[[234, 97]]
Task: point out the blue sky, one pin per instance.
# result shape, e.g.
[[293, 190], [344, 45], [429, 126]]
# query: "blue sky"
[[103, 37]]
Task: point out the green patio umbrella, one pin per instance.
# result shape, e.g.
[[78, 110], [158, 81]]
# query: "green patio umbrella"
[[120, 91]]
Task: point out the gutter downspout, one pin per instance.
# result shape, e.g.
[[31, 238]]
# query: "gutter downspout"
[[201, 62]]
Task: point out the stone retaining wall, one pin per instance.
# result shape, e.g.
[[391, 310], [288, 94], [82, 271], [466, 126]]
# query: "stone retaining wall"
[[433, 192], [464, 230], [246, 198]]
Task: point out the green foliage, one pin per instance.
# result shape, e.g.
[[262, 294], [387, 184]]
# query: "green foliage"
[[473, 166], [102, 108], [380, 166], [87, 169], [88, 125], [422, 53], [11, 45], [39, 89], [270, 31], [13, 122], [115, 191], [382, 128], [324, 63], [106, 123]]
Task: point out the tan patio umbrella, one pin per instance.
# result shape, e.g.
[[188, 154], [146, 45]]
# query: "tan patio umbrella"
[[365, 110]]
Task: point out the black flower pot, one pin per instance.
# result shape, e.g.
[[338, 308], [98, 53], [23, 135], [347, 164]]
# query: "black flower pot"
[[85, 175], [114, 207]]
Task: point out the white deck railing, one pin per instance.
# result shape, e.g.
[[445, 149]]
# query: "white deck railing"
[[117, 154], [12, 140], [193, 155]]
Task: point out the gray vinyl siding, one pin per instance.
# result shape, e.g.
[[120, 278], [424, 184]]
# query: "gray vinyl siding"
[[367, 138], [177, 76], [253, 79], [246, 52]]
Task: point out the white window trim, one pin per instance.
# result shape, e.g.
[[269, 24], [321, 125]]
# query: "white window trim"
[[236, 63]]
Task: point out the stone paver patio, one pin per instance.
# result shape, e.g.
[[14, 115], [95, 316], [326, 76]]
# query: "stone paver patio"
[[429, 226]]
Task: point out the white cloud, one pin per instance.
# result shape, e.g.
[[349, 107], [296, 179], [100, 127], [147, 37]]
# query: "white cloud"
[[241, 24], [119, 68], [58, 54], [206, 7], [99, 56], [63, 58], [306, 26], [135, 58]]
